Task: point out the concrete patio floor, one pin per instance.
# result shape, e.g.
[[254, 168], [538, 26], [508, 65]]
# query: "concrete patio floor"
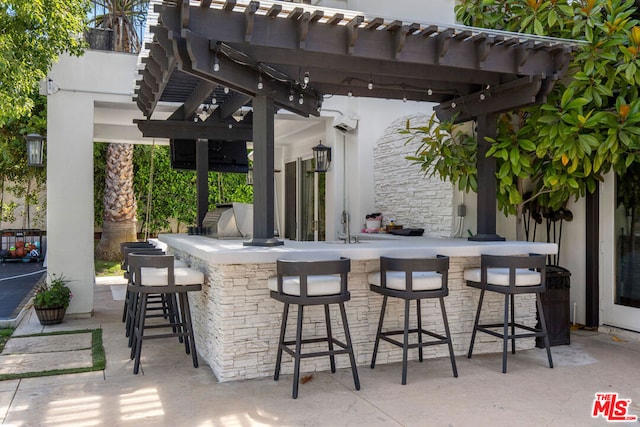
[[171, 392]]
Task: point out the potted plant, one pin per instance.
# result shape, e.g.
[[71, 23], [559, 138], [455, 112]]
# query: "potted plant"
[[52, 299]]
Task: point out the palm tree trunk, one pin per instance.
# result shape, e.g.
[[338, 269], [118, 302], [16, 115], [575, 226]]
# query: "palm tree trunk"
[[119, 222]]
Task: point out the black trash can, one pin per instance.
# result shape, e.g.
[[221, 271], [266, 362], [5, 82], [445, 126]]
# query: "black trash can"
[[557, 307]]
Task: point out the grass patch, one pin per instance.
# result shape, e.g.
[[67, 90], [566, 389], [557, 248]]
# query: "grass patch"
[[5, 334], [107, 268], [97, 353]]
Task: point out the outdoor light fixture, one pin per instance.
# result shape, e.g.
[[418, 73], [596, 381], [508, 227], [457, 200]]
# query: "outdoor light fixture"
[[306, 80], [260, 84], [322, 155], [35, 143]]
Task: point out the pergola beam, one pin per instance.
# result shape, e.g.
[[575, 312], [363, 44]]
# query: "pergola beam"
[[179, 129]]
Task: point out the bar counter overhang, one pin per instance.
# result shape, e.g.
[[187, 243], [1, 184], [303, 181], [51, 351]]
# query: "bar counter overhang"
[[237, 324]]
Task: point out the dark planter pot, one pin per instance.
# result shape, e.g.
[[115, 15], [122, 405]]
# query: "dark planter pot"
[[99, 38], [50, 316]]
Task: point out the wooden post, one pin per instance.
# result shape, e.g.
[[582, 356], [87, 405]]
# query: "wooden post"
[[202, 178], [592, 315], [487, 186], [263, 183]]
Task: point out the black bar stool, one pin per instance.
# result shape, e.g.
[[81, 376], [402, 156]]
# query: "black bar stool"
[[412, 279], [155, 274], [306, 283], [126, 248], [509, 275]]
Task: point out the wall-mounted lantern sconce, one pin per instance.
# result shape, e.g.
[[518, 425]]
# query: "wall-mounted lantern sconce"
[[322, 155], [35, 145]]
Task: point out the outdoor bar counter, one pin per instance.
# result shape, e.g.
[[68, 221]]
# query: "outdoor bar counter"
[[236, 323]]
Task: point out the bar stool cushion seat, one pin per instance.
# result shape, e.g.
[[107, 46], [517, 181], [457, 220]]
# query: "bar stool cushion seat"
[[422, 280], [500, 276], [317, 285], [159, 276]]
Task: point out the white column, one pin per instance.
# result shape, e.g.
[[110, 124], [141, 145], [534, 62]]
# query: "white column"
[[70, 194]]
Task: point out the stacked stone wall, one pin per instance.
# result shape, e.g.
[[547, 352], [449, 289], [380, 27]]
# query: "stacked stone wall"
[[237, 323], [402, 191]]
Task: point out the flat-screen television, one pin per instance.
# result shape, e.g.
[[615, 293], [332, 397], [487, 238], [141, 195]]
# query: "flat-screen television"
[[224, 156]]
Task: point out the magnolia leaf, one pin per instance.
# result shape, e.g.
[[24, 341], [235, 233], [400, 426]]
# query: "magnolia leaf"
[[629, 160], [574, 165], [586, 166], [537, 26], [577, 103], [548, 119], [553, 18], [630, 72], [566, 97], [597, 162], [527, 145]]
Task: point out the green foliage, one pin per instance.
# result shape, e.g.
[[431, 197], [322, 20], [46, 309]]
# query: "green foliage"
[[16, 177], [590, 123], [33, 33], [445, 150], [53, 295], [173, 192]]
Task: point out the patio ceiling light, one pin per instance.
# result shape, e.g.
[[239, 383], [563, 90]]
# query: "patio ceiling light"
[[35, 144], [322, 156]]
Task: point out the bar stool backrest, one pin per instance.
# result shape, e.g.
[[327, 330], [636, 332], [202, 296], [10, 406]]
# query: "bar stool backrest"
[[138, 261], [513, 263], [135, 245], [304, 269], [439, 264], [129, 250]]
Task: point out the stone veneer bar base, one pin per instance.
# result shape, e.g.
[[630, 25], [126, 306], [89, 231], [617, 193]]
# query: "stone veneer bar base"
[[237, 323]]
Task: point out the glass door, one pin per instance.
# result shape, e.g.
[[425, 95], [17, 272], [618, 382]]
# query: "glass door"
[[304, 201], [620, 275]]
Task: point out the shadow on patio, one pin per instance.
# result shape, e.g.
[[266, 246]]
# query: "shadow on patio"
[[172, 392]]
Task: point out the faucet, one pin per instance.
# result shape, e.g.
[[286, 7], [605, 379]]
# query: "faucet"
[[346, 236]]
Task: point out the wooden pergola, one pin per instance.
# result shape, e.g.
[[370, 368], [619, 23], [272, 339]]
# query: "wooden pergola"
[[272, 55]]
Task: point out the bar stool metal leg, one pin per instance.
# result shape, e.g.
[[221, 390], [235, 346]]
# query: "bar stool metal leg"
[[505, 340], [448, 335], [327, 319], [379, 333], [137, 349], [513, 324], [405, 342], [349, 348], [419, 314], [186, 324], [283, 329], [543, 325], [298, 353], [475, 324]]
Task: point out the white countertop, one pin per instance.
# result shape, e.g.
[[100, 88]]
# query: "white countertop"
[[216, 251]]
